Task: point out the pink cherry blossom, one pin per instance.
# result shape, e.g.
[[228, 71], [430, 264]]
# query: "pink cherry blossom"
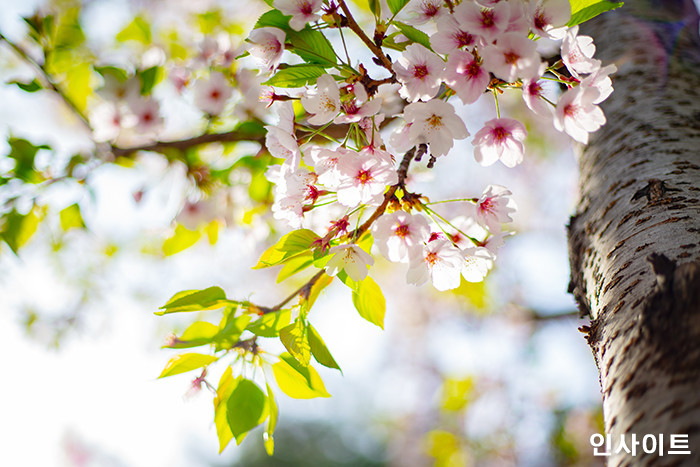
[[211, 95], [601, 81], [548, 18], [451, 36], [400, 235], [465, 227], [267, 45], [356, 105], [466, 76], [294, 187], [420, 73], [364, 179], [327, 162], [302, 11], [370, 127], [487, 23], [280, 139], [576, 113], [107, 120], [349, 258], [501, 138], [435, 123], [533, 93], [149, 121], [577, 53], [512, 57], [495, 207], [323, 102], [439, 261], [419, 12]]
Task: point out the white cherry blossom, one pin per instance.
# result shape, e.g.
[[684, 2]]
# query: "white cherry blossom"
[[211, 95], [419, 12], [500, 139], [477, 263], [548, 18], [420, 73], [294, 187], [577, 53], [302, 11], [280, 139], [576, 113], [400, 235], [364, 179], [357, 105], [349, 258], [533, 93], [439, 261], [435, 123], [487, 23], [600, 80], [326, 163], [512, 57], [267, 45], [451, 36], [323, 102], [495, 207], [149, 121]]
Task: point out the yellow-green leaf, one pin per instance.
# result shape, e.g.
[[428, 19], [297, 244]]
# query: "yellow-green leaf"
[[198, 333], [138, 30], [297, 381], [288, 246], [210, 298], [223, 392], [295, 340], [271, 422], [71, 218], [583, 10], [296, 76], [319, 349], [295, 264], [246, 408], [369, 301], [186, 362], [269, 324], [181, 239]]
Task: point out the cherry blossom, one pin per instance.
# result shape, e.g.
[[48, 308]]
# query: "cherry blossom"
[[294, 187], [149, 121], [280, 139], [302, 11], [420, 73], [576, 113], [211, 95], [370, 127], [495, 207], [533, 91], [600, 80], [364, 179], [400, 235], [249, 85], [577, 53], [419, 12], [548, 18], [267, 45], [477, 263], [487, 23], [465, 226], [357, 105], [439, 261], [450, 36], [326, 163], [107, 121], [323, 102], [466, 76], [435, 123], [500, 139], [513, 56], [349, 258]]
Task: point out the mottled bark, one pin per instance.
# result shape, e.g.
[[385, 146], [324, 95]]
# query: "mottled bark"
[[635, 238]]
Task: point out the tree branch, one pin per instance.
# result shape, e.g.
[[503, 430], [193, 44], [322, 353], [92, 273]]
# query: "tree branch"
[[377, 51]]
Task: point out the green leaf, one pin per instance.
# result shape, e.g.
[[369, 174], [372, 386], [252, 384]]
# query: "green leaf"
[[295, 264], [138, 30], [269, 324], [246, 408], [32, 86], [195, 300], [230, 330], [17, 229], [288, 246], [296, 76], [297, 381], [223, 392], [396, 5], [78, 82], [376, 8], [186, 362], [312, 46], [294, 339], [369, 301], [583, 10], [181, 239], [24, 153], [275, 19], [414, 34], [71, 218], [320, 351], [320, 284], [198, 333], [149, 78], [271, 422], [117, 73]]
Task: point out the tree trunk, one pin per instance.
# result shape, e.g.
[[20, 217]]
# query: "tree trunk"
[[635, 238]]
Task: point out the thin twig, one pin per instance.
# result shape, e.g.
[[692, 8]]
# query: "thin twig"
[[377, 51], [304, 290], [47, 81]]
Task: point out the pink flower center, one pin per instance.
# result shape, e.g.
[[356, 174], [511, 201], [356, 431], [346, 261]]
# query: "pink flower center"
[[571, 110], [488, 19], [351, 107], [435, 121], [431, 258], [486, 205], [434, 236], [147, 117], [511, 57], [430, 9], [312, 193], [420, 71], [463, 39], [215, 94], [305, 8], [500, 134], [402, 231], [534, 88], [364, 176], [472, 69], [540, 20]]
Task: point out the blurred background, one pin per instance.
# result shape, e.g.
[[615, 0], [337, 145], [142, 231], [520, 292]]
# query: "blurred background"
[[492, 374]]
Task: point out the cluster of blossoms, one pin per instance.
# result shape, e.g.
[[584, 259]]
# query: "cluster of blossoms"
[[477, 48]]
